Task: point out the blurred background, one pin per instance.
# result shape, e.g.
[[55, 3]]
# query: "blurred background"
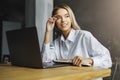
[[100, 17]]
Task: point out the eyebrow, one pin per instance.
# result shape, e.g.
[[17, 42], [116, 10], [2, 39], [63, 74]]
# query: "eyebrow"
[[59, 15]]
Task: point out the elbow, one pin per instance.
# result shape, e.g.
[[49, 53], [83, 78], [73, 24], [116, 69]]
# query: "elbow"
[[107, 64]]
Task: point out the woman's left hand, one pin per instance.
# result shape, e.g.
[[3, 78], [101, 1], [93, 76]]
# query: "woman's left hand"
[[78, 61]]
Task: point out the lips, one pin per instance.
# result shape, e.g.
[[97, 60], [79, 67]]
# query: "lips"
[[64, 24]]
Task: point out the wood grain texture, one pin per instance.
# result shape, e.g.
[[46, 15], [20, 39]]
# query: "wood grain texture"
[[8, 72]]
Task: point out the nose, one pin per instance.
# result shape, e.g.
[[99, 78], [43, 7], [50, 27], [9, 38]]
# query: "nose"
[[63, 19]]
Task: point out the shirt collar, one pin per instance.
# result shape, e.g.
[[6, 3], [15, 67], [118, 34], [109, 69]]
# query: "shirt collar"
[[70, 37]]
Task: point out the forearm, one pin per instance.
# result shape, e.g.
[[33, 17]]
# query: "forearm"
[[49, 28], [48, 53], [104, 61], [47, 37]]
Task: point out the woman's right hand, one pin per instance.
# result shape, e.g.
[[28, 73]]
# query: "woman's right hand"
[[50, 24], [49, 27]]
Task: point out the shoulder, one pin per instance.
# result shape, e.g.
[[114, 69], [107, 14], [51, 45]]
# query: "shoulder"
[[84, 33]]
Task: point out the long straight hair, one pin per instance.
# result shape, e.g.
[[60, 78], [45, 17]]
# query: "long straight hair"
[[74, 23]]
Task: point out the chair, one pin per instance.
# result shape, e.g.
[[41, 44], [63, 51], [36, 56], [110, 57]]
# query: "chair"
[[115, 73]]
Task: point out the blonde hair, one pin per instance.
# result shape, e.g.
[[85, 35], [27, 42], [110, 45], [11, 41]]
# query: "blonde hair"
[[74, 23]]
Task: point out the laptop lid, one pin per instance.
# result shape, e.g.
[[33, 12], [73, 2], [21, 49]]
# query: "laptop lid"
[[24, 47]]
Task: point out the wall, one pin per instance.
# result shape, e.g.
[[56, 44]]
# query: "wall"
[[12, 11], [8, 25], [0, 39], [43, 12], [101, 17], [30, 13], [37, 13]]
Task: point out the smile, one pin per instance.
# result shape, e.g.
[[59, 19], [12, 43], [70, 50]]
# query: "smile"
[[64, 25]]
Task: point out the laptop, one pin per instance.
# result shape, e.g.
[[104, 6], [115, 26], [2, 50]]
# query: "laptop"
[[24, 49]]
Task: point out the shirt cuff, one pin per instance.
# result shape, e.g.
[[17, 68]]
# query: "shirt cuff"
[[96, 61], [46, 46]]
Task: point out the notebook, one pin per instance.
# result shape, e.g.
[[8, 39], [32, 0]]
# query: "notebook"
[[25, 51]]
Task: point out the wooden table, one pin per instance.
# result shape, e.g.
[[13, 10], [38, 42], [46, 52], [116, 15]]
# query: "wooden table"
[[8, 72]]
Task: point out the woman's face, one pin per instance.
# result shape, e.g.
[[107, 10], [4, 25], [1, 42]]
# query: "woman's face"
[[63, 21]]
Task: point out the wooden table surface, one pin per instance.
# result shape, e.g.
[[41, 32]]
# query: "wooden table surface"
[[8, 72]]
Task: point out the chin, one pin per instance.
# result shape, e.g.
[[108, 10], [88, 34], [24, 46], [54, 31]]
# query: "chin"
[[64, 30]]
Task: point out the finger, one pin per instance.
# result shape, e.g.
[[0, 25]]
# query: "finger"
[[75, 59], [51, 20], [54, 18], [78, 62]]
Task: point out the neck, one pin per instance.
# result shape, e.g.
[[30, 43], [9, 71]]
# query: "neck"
[[66, 33]]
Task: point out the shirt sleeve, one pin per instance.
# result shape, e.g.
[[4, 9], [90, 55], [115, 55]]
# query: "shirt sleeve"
[[100, 54], [48, 52]]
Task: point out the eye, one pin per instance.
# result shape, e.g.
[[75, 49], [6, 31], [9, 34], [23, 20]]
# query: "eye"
[[67, 16], [58, 17]]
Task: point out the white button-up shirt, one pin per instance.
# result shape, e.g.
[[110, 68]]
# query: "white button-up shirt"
[[79, 43]]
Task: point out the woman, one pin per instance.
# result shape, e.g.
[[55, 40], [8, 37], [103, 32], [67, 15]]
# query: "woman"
[[73, 44]]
